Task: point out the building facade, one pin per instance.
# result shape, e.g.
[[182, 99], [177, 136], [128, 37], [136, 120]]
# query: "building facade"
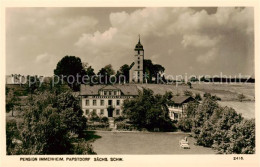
[[105, 100], [15, 79], [136, 72], [177, 110]]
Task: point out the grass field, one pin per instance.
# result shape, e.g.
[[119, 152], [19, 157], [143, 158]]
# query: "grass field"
[[247, 109], [227, 92], [145, 143]]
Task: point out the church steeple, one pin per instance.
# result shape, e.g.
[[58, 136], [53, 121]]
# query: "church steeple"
[[139, 46], [136, 72]]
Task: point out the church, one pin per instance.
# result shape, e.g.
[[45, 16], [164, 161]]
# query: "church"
[[137, 68], [107, 100]]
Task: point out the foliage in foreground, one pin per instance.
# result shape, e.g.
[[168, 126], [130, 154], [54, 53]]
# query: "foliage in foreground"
[[221, 128], [50, 125], [149, 111]]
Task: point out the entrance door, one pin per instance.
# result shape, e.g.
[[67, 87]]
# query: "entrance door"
[[110, 109], [110, 113]]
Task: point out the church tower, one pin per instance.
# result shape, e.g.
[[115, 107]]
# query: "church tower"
[[136, 72]]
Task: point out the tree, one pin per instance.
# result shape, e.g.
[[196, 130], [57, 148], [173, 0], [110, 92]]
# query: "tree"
[[123, 71], [242, 137], [11, 101], [32, 84], [191, 108], [149, 111], [198, 97], [49, 122], [89, 72], [105, 73], [188, 93], [185, 124], [241, 97], [189, 84], [69, 68], [12, 135], [152, 70]]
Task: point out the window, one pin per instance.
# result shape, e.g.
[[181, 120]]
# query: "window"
[[102, 102], [138, 58], [114, 92], [138, 67], [94, 111], [102, 112], [87, 111], [110, 102], [117, 102], [110, 93], [87, 102], [176, 116], [105, 92], [117, 112], [94, 102]]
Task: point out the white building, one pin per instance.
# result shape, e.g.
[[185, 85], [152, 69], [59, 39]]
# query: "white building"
[[15, 79], [105, 100], [177, 110]]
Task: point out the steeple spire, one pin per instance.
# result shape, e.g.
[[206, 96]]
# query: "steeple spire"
[[139, 46]]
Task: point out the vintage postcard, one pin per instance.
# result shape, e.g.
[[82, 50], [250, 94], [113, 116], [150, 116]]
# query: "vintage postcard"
[[135, 84]]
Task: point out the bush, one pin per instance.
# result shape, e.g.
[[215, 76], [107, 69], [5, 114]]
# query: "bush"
[[119, 119], [185, 124], [104, 119], [125, 126], [188, 93], [221, 128], [149, 111], [241, 97], [99, 126], [46, 124], [94, 117], [198, 97], [12, 137], [83, 148]]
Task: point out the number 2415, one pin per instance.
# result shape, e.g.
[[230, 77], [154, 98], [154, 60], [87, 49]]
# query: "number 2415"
[[238, 158]]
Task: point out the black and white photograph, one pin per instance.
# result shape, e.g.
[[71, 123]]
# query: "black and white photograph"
[[102, 81]]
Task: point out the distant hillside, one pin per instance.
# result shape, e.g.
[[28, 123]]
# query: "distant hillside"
[[227, 92]]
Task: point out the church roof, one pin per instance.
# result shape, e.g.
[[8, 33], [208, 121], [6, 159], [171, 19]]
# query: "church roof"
[[139, 46], [93, 90]]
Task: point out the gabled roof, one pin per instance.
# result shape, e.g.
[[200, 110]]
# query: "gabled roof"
[[110, 87], [93, 90], [182, 99], [90, 90]]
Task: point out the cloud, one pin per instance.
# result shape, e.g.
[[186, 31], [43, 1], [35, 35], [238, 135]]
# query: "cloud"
[[97, 39], [43, 58], [199, 41], [181, 36], [208, 56], [196, 28]]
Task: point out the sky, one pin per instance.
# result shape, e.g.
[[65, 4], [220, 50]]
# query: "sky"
[[186, 41]]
